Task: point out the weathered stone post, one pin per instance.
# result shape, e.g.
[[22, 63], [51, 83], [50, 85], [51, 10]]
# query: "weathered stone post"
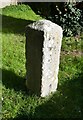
[[43, 44]]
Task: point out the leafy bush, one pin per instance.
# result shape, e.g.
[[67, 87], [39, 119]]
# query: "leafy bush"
[[69, 19], [63, 14]]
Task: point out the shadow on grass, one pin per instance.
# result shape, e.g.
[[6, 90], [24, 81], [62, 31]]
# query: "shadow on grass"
[[14, 25], [11, 80], [65, 104]]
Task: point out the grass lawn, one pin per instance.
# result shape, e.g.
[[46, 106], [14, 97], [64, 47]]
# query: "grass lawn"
[[17, 104]]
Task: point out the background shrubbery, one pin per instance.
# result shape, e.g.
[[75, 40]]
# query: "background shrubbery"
[[64, 14], [69, 19]]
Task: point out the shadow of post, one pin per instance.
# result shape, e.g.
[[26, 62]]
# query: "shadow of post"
[[13, 81], [14, 25], [66, 103]]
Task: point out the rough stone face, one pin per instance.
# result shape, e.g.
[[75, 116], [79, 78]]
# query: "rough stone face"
[[43, 44]]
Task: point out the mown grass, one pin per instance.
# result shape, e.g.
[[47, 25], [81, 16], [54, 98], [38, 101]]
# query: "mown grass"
[[17, 103]]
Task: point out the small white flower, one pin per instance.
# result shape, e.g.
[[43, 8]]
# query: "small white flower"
[[2, 98]]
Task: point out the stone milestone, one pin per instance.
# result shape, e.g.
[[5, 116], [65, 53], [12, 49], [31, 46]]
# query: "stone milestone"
[[43, 46]]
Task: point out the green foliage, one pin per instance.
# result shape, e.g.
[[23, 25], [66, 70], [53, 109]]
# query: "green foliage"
[[69, 19], [63, 14]]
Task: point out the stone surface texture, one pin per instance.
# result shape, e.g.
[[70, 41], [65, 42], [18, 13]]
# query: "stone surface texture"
[[43, 46]]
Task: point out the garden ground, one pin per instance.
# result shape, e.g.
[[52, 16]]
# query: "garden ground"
[[17, 104]]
